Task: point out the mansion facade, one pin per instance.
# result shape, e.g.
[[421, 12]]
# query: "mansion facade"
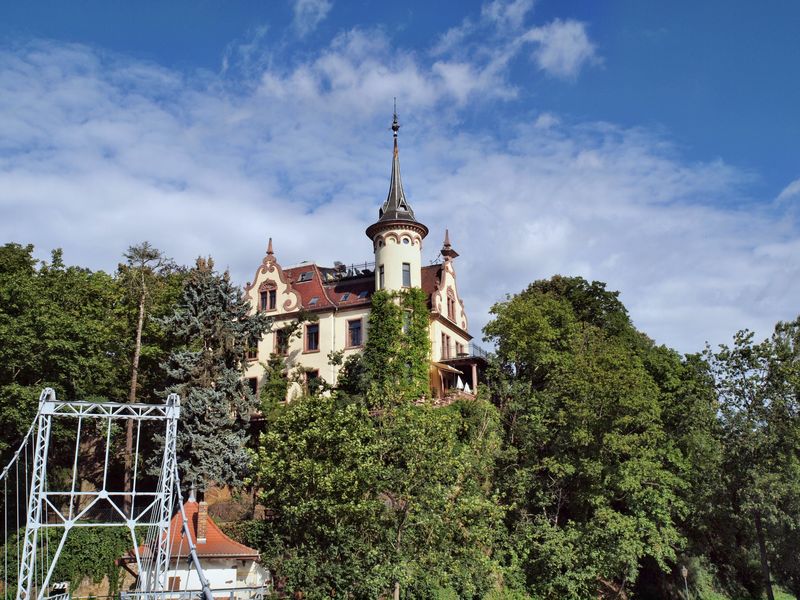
[[340, 298]]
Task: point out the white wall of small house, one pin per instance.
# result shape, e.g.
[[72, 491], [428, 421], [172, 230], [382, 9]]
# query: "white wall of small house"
[[222, 574]]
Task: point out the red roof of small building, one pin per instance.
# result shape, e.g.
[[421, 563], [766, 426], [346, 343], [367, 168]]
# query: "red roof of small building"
[[216, 545]]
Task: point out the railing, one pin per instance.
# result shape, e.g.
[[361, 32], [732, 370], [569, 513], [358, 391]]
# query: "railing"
[[342, 271], [237, 593], [471, 350]]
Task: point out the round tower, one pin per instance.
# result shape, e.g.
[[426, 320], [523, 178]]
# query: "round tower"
[[397, 235]]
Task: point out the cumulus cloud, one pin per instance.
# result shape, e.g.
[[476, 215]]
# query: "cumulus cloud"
[[559, 48], [98, 152], [564, 48], [308, 14]]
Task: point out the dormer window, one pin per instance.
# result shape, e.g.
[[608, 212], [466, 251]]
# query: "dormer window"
[[306, 276], [314, 300], [268, 296], [345, 296]]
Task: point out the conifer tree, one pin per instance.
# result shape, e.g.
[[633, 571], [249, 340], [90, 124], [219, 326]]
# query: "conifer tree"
[[213, 323]]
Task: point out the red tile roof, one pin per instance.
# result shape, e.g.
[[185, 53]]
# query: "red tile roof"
[[431, 275], [331, 293], [217, 544]]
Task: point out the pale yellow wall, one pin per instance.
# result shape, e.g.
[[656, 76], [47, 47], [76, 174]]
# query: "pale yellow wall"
[[333, 328], [437, 328], [392, 252]]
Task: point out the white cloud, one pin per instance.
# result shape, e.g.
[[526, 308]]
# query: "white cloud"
[[507, 14], [546, 120], [560, 48], [308, 14], [790, 191], [98, 152], [564, 48]]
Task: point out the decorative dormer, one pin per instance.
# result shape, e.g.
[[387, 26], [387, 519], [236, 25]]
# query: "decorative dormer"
[[397, 235]]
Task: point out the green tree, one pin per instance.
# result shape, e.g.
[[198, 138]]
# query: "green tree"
[[757, 389], [144, 277], [213, 323], [592, 478], [59, 328]]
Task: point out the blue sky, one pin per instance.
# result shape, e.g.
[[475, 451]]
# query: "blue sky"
[[652, 145]]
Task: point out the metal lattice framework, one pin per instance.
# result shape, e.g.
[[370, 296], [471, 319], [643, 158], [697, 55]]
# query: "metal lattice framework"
[[153, 558], [46, 510]]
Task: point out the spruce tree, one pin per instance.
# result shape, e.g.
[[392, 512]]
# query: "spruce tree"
[[213, 324]]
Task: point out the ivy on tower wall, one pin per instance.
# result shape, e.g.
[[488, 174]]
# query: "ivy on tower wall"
[[397, 352]]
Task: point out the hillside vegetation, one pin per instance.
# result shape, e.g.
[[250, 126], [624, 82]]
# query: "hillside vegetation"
[[592, 463]]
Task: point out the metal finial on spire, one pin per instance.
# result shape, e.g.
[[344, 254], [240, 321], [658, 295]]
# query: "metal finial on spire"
[[395, 123]]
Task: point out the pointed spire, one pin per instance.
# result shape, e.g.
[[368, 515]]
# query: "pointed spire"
[[396, 205], [396, 211], [269, 248], [447, 250]]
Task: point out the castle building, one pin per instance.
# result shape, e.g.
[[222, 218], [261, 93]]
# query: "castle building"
[[340, 296]]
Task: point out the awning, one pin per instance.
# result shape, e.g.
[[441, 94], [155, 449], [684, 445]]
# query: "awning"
[[447, 368]]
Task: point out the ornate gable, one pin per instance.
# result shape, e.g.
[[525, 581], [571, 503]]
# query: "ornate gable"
[[270, 277]]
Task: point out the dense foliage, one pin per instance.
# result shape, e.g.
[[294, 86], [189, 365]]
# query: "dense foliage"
[[593, 463]]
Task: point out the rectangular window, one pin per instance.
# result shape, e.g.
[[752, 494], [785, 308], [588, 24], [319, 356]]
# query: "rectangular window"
[[380, 278], [406, 321], [444, 346], [354, 333], [252, 383], [451, 308], [282, 342], [312, 380], [312, 337], [251, 353], [406, 274], [268, 300]]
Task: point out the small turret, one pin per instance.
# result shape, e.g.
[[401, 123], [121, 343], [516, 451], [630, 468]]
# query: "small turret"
[[397, 235]]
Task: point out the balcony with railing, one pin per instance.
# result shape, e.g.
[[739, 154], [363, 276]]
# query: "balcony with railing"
[[463, 352]]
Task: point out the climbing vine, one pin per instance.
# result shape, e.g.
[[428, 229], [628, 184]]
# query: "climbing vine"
[[397, 353]]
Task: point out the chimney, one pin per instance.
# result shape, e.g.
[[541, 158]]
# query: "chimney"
[[202, 522]]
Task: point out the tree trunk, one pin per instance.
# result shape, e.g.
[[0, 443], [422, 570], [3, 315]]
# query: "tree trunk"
[[137, 350], [762, 549], [396, 595]]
